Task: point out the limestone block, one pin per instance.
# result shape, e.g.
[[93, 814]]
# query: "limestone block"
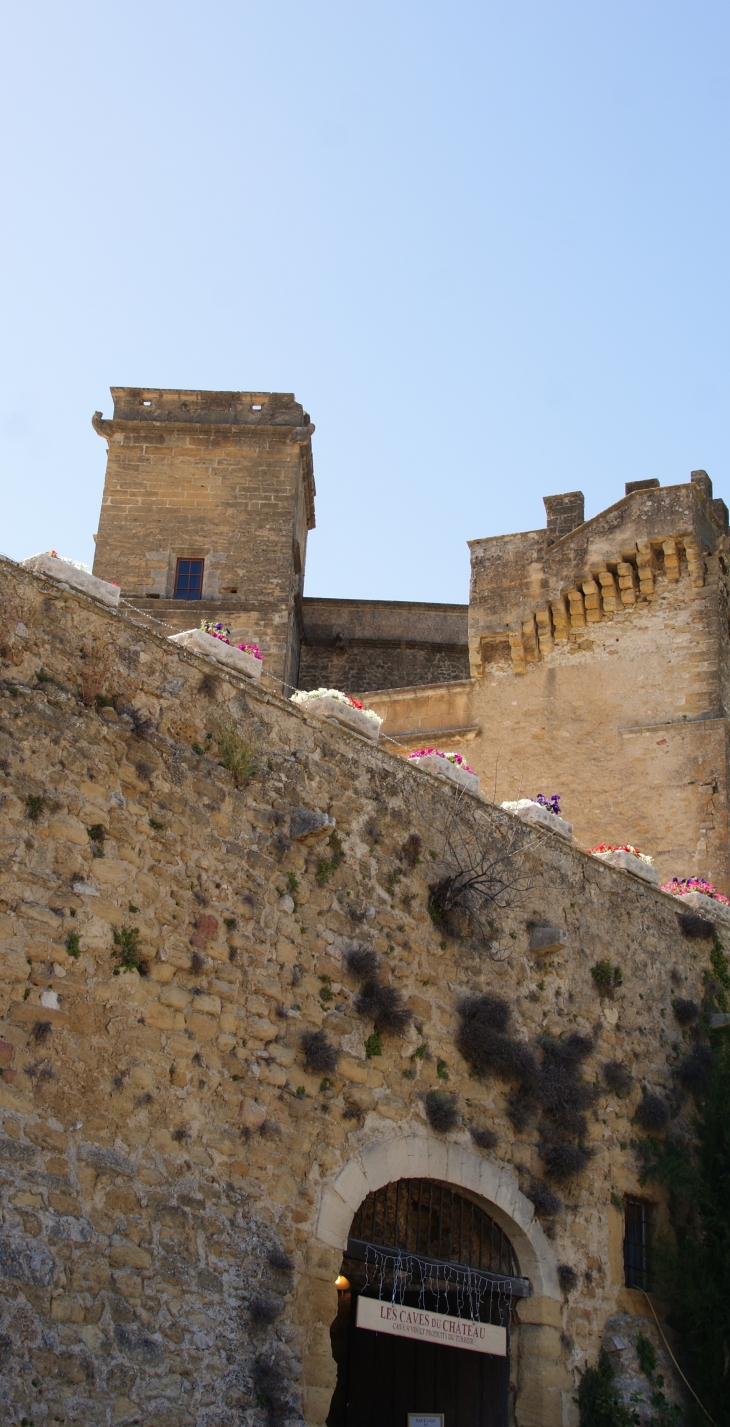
[[529, 639], [306, 825], [708, 906], [67, 574], [66, 1310], [229, 1023], [544, 939], [695, 562], [161, 1017], [592, 593], [37, 913], [68, 829], [355, 1071], [544, 629], [540, 1310], [251, 1113], [204, 1028], [627, 583], [517, 651], [609, 591], [531, 812], [175, 996], [260, 1029], [258, 1005], [561, 620], [209, 1005], [627, 862], [671, 559], [646, 566], [162, 971], [236, 659], [577, 607], [435, 763], [318, 1402], [337, 709], [127, 1255]]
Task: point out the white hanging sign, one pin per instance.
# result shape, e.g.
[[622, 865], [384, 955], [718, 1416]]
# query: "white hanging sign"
[[406, 1322]]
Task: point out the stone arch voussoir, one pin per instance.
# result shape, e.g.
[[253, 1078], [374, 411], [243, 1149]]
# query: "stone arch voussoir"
[[424, 1156]]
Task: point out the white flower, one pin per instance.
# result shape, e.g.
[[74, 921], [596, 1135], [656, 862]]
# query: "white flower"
[[305, 696]]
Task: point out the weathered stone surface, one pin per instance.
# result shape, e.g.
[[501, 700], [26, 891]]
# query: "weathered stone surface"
[[154, 1154], [307, 825]]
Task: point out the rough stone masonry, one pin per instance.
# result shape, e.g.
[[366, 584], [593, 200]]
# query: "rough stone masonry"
[[186, 862]]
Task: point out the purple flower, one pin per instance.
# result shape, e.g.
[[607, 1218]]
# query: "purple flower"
[[552, 803]]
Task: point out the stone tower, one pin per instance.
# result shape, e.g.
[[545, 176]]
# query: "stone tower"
[[208, 498]]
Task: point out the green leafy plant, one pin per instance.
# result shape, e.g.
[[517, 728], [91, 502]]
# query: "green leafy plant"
[[441, 1070], [97, 834], [721, 970], [198, 748], [133, 909], [156, 825], [229, 923], [693, 1270], [72, 944], [599, 1404], [43, 677], [646, 1353], [606, 977], [326, 993], [327, 865], [105, 701], [373, 1045], [241, 756], [34, 806], [128, 955]]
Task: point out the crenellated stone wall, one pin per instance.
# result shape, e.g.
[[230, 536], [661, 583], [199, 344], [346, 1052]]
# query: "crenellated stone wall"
[[176, 1184], [600, 672]]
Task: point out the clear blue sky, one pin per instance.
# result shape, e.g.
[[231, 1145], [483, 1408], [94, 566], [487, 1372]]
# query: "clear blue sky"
[[486, 244]]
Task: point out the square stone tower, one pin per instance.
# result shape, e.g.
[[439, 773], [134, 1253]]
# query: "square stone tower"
[[208, 498]]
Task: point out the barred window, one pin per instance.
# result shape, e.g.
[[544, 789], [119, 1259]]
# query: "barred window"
[[189, 580], [637, 1242]]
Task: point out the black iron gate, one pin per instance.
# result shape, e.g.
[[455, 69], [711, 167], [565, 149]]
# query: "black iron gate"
[[421, 1243]]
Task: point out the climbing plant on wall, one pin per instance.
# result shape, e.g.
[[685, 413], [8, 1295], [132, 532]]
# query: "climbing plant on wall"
[[694, 1270]]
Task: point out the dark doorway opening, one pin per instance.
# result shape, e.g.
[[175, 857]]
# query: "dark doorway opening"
[[414, 1238]]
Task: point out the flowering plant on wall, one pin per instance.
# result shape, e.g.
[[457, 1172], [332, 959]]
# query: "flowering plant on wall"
[[455, 758], [75, 564], [552, 803], [222, 632], [623, 847], [305, 696], [680, 886]]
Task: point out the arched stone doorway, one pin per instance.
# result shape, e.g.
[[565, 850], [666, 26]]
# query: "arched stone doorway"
[[424, 1315], [543, 1388]]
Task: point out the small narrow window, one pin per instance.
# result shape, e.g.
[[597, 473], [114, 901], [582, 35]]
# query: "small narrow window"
[[189, 580], [637, 1242]]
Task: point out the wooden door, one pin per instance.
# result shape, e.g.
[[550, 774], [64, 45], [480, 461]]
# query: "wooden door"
[[388, 1377]]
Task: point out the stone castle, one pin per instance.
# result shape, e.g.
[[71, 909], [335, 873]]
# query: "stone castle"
[[255, 1081], [592, 657]]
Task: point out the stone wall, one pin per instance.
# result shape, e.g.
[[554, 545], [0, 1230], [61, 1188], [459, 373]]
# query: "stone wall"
[[622, 709], [381, 644], [177, 1186]]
